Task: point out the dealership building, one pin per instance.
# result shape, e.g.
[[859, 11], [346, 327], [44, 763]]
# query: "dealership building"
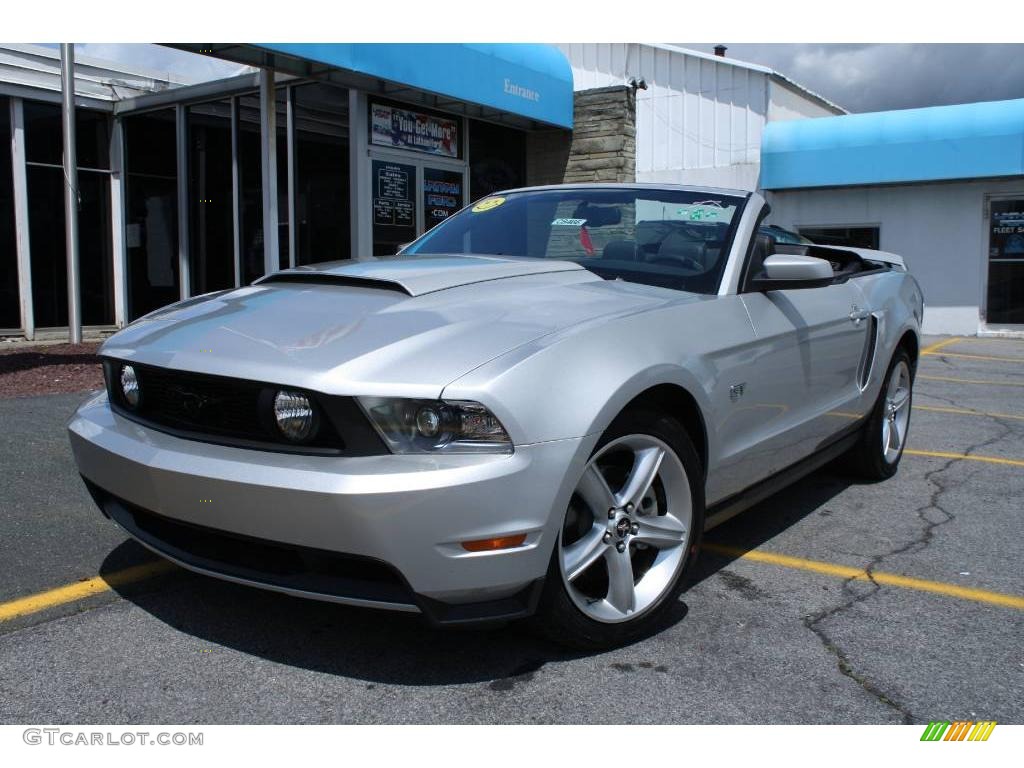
[[317, 152], [312, 153], [941, 186]]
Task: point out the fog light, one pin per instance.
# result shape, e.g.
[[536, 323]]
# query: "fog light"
[[294, 415], [130, 386], [489, 545]]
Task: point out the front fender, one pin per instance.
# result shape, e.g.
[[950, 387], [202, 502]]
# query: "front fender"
[[574, 384]]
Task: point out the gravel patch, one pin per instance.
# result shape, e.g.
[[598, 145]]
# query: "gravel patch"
[[50, 369]]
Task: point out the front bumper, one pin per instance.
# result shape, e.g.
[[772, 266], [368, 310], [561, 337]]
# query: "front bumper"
[[333, 528]]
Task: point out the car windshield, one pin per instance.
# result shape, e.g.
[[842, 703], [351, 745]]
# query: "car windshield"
[[671, 238]]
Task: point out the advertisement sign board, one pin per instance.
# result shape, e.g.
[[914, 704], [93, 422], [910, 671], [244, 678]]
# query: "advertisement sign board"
[[401, 128]]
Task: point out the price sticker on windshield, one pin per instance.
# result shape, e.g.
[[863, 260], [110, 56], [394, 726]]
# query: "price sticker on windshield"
[[568, 222], [488, 204]]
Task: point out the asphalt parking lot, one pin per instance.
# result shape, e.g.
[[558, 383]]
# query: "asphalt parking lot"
[[832, 602]]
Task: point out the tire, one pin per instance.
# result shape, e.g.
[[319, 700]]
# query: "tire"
[[652, 541], [876, 456]]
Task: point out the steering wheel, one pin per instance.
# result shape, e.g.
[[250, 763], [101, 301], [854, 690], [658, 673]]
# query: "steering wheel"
[[671, 261]]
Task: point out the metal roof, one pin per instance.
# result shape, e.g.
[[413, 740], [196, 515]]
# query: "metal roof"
[[961, 141], [36, 66], [773, 74]]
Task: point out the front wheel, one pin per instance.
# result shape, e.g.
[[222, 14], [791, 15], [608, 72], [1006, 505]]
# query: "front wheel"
[[877, 454], [628, 537]]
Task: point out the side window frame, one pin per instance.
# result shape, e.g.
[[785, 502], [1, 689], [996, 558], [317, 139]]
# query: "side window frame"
[[745, 276]]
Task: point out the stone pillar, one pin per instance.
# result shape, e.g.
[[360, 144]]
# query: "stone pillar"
[[601, 148], [604, 136]]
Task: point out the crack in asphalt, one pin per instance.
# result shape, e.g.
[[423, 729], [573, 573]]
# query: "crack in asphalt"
[[813, 621]]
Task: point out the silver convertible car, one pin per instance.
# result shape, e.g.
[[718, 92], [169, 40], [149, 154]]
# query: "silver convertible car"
[[536, 409]]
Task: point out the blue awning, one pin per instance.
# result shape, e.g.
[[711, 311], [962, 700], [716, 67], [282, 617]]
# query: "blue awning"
[[532, 81], [963, 141]]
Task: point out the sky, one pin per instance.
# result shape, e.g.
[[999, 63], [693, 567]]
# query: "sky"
[[872, 77], [860, 77]]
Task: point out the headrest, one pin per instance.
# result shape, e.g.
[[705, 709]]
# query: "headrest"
[[620, 250]]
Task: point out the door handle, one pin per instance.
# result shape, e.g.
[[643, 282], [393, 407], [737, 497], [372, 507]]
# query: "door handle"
[[857, 314]]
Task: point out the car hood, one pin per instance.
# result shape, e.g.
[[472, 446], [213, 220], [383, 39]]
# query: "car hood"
[[391, 326]]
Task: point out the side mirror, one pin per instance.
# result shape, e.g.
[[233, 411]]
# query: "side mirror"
[[784, 271]]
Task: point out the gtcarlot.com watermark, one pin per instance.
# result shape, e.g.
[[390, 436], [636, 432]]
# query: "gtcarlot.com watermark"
[[78, 737]]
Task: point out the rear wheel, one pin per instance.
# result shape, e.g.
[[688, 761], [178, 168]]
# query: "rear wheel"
[[877, 454], [628, 537]]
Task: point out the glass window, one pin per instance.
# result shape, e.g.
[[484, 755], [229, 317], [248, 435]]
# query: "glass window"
[[671, 238], [251, 182], [211, 222], [44, 142], [497, 159], [442, 195], [45, 176], [151, 211], [1006, 263], [851, 237], [282, 178], [394, 206], [251, 188], [322, 180], [10, 301], [47, 243]]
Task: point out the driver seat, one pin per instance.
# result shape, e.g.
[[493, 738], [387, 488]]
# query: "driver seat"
[[678, 246]]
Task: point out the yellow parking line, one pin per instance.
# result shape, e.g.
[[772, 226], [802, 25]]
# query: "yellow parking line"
[[966, 412], [966, 457], [970, 381], [933, 348], [880, 577], [80, 590], [980, 357]]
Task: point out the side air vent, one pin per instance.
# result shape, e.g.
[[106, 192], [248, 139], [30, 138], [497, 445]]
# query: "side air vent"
[[868, 358]]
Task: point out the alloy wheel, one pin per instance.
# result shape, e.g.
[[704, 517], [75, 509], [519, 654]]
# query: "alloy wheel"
[[627, 529], [896, 412]]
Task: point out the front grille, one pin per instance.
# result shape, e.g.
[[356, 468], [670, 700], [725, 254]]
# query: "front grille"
[[238, 412], [201, 403]]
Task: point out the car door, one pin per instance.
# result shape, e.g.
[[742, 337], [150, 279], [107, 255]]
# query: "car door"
[[810, 342]]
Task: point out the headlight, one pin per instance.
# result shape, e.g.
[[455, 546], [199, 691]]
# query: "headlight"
[[433, 426], [294, 415], [129, 386]]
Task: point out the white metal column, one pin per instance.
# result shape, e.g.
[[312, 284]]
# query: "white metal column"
[[117, 197], [71, 194], [236, 194], [268, 152], [181, 137], [293, 231], [28, 325], [359, 190]]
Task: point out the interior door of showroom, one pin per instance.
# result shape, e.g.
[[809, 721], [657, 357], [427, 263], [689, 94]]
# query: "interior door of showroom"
[[1005, 305]]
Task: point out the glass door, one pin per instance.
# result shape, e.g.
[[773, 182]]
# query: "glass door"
[[1005, 305], [394, 205], [410, 196], [442, 195]]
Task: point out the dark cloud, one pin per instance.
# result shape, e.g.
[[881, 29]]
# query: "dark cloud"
[[871, 77]]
